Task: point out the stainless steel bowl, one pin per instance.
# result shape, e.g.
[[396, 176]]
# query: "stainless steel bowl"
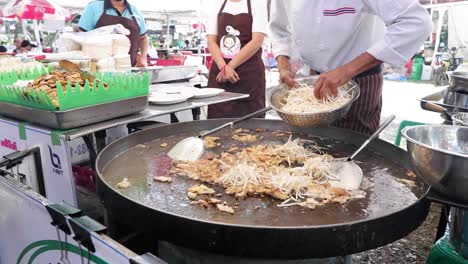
[[276, 101], [439, 155], [460, 119]]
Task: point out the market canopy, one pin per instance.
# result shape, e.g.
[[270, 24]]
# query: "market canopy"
[[34, 10], [145, 5], [150, 8]]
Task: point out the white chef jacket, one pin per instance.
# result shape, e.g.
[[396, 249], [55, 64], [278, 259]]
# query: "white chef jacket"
[[331, 33]]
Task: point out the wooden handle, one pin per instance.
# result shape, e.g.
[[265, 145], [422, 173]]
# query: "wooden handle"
[[435, 108], [252, 115], [376, 134], [69, 66]]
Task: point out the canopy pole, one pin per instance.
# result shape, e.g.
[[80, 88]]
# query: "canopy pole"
[[37, 34], [200, 25], [438, 32], [24, 28], [168, 20]]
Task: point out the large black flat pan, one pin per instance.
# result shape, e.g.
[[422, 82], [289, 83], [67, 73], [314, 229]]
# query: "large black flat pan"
[[390, 211]]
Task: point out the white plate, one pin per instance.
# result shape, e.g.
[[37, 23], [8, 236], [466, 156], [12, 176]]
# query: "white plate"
[[188, 91], [207, 92], [167, 99]]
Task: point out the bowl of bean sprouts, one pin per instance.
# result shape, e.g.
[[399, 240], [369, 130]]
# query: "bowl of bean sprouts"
[[298, 106]]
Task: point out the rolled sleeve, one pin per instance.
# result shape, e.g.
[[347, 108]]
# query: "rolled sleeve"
[[280, 31], [408, 26], [87, 22], [384, 52]]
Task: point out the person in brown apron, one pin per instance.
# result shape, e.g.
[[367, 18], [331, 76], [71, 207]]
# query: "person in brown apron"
[[137, 40], [234, 32]]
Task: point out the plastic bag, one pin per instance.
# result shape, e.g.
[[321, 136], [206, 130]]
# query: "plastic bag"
[[298, 67], [98, 37], [112, 29]]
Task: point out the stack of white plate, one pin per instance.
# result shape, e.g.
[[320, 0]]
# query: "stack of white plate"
[[175, 95]]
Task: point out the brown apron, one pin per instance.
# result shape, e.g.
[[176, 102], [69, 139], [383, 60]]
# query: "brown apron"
[[251, 72], [130, 24]]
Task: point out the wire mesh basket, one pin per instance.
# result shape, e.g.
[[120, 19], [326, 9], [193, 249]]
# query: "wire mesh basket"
[[460, 119], [276, 99]]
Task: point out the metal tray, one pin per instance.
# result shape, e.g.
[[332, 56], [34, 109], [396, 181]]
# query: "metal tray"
[[62, 120], [159, 74], [438, 99]]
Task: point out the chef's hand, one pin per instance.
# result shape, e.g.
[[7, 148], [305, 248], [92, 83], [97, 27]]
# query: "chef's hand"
[[328, 82], [287, 77], [141, 61]]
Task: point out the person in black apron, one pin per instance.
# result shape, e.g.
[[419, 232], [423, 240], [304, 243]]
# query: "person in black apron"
[[137, 41], [234, 32]]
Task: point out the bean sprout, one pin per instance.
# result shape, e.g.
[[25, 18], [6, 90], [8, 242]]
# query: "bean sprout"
[[302, 100]]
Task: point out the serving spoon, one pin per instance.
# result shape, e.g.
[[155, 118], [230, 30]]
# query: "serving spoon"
[[349, 175], [72, 67], [192, 148]]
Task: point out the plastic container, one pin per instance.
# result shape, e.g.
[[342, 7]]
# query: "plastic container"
[[105, 65], [122, 60], [426, 74], [120, 45], [84, 177], [443, 253], [123, 68], [99, 49], [416, 69]]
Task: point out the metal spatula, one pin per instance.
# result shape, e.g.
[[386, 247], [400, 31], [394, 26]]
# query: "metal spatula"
[[192, 148], [349, 174], [72, 67]]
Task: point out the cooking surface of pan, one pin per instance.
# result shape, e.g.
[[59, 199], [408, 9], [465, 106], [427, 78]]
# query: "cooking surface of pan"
[[390, 211], [386, 193]]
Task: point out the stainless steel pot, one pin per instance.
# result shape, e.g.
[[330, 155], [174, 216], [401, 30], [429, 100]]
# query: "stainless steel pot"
[[456, 99], [457, 93], [159, 74], [459, 82], [439, 155]]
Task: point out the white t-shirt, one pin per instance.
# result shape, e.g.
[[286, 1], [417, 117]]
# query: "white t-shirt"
[[259, 14]]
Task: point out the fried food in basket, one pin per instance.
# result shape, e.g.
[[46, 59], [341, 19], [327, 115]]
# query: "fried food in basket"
[[48, 83]]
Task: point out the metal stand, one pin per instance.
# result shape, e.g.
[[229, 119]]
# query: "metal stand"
[[443, 221], [178, 255], [447, 203], [348, 259]]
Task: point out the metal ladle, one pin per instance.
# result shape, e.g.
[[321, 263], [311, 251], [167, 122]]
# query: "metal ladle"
[[192, 148], [348, 174]]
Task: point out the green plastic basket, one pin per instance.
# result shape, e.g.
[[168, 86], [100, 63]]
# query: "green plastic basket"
[[119, 87], [9, 78]]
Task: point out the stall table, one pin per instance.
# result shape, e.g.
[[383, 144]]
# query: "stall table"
[[58, 150]]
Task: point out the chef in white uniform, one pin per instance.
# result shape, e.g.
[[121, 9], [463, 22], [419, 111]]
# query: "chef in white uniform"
[[346, 40]]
